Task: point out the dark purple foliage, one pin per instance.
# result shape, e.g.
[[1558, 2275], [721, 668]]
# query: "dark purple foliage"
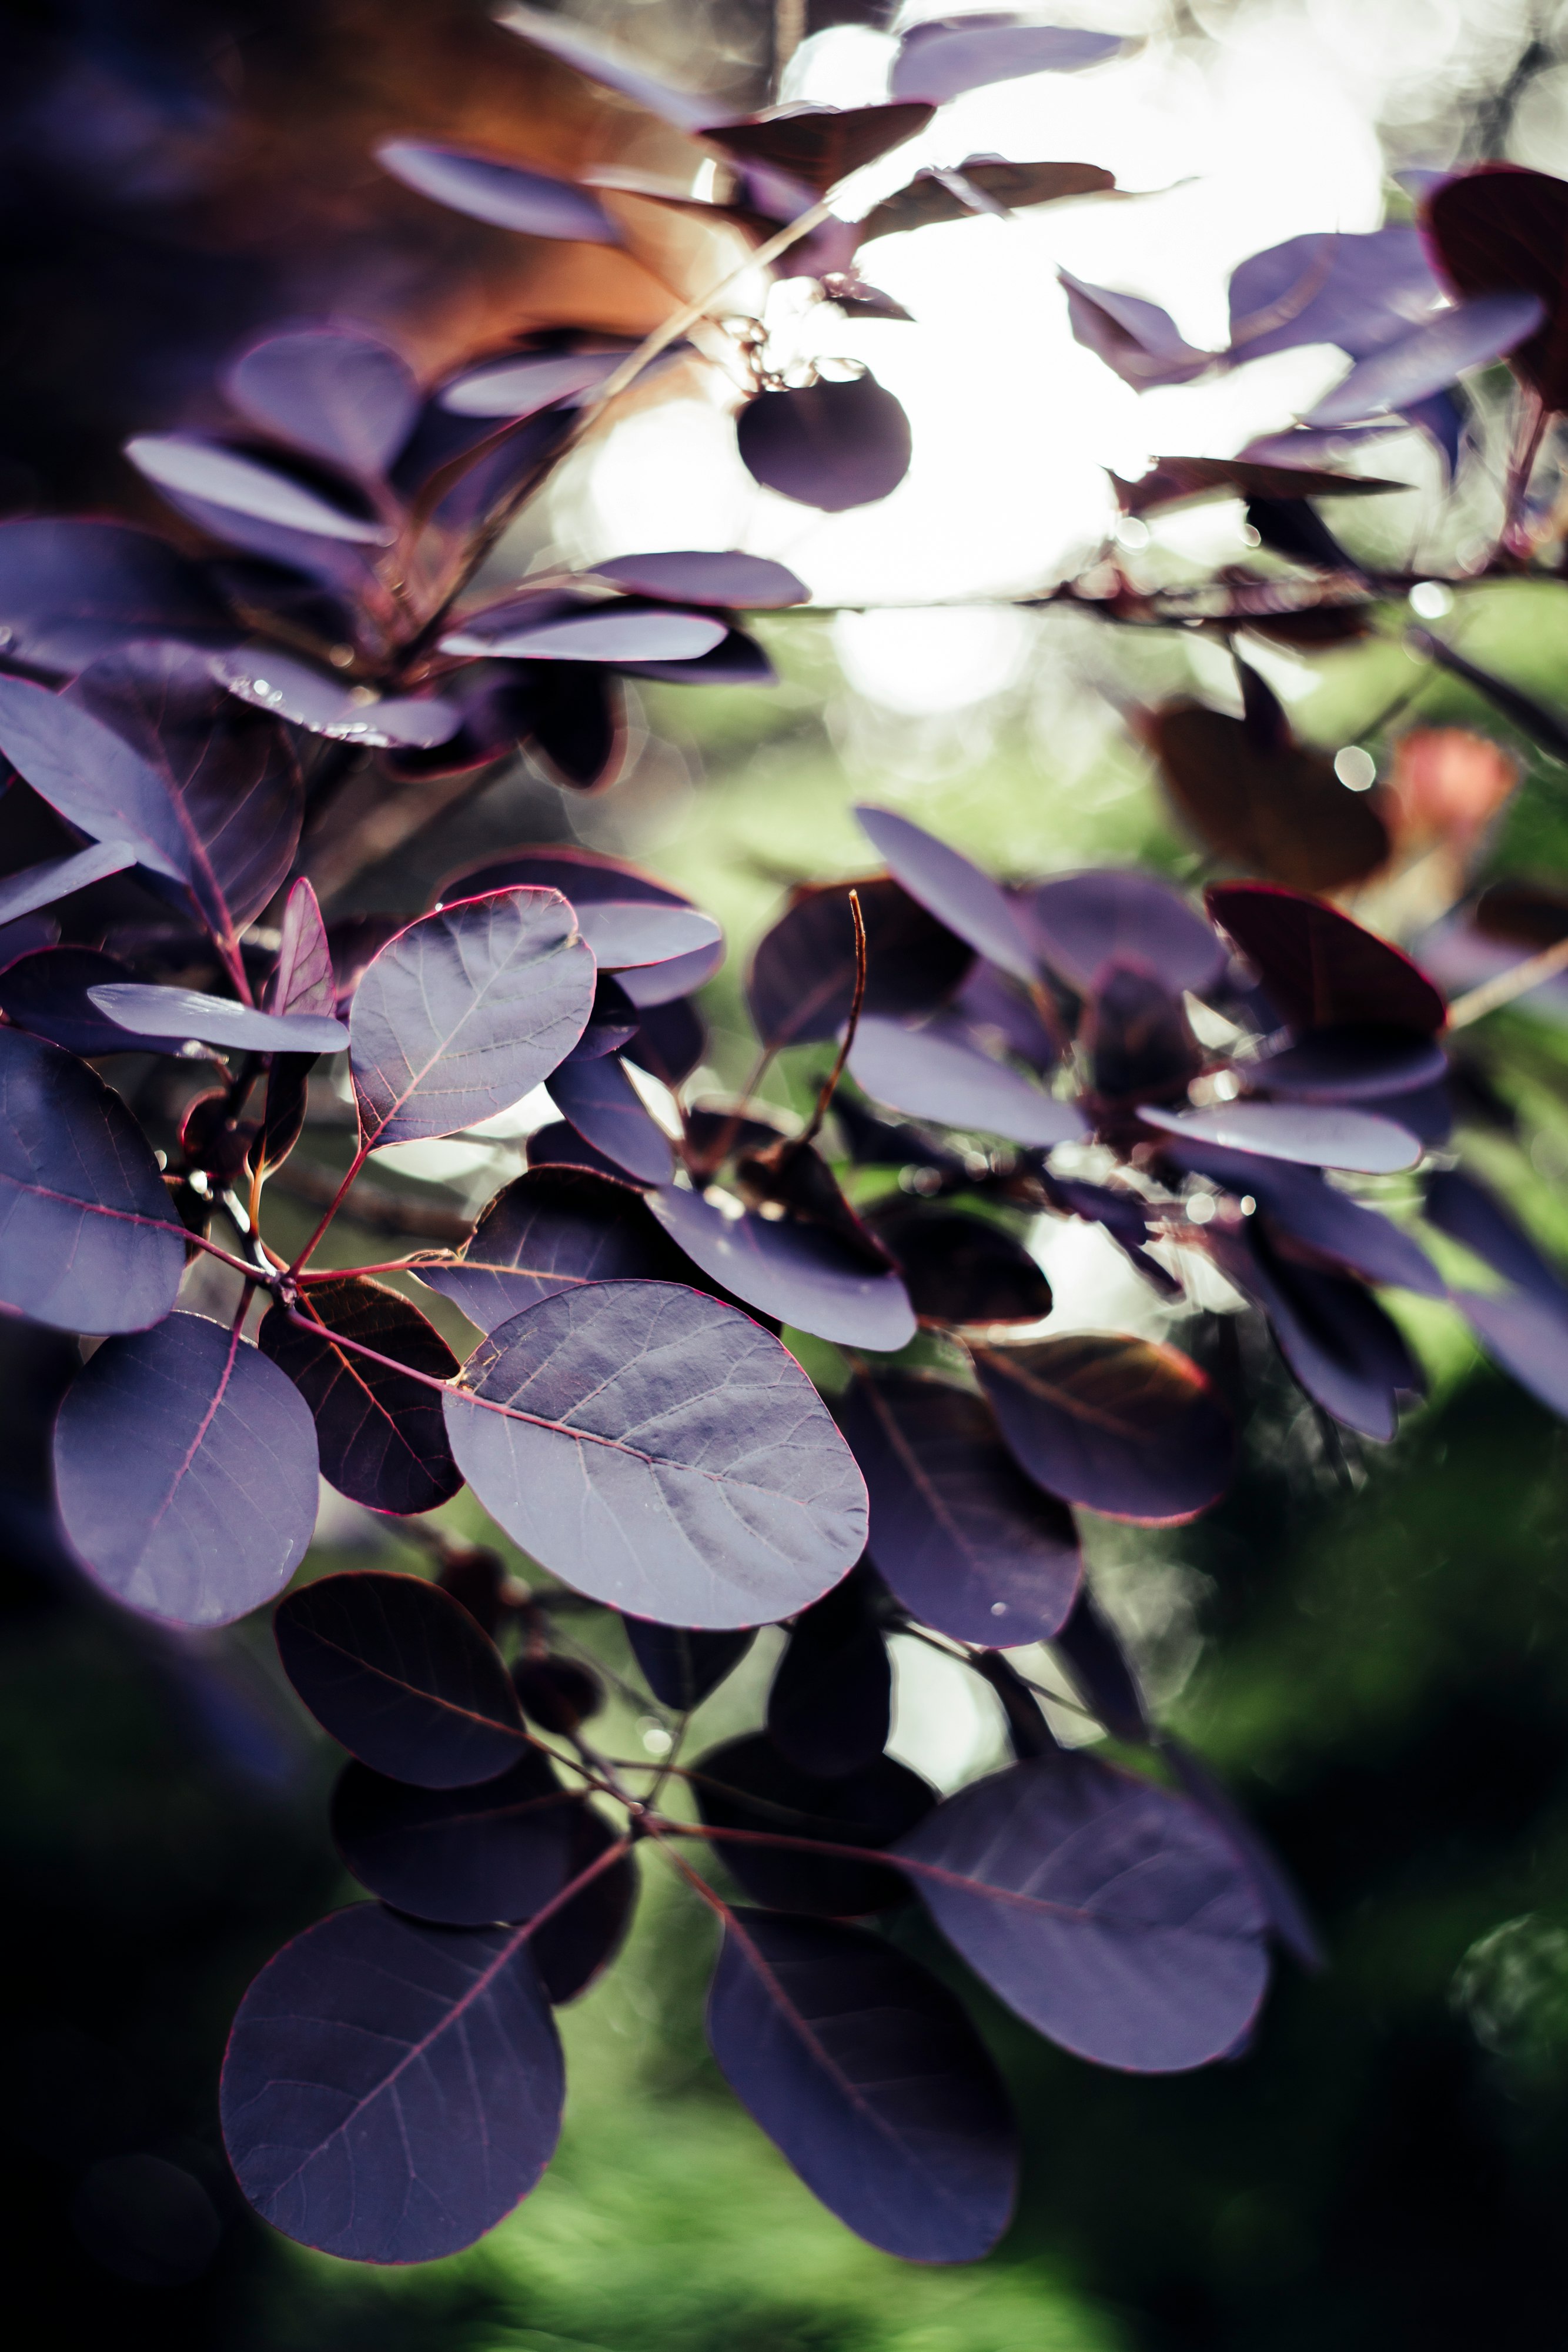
[[748, 1786], [868, 2075], [337, 393], [936, 1073], [1358, 291], [751, 581], [1467, 1213], [964, 1539], [381, 1436], [1346, 1352], [662, 1452], [1318, 967], [680, 1666], [180, 1012], [1082, 922], [600, 1102], [802, 977], [1111, 1916], [953, 889], [391, 2089], [831, 1703], [1316, 1134], [489, 188], [1286, 1912], [1428, 359], [88, 1239], [962, 1269], [1123, 1426], [553, 1229], [185, 1472], [1141, 342], [1349, 1064], [1316, 1217], [942, 56], [1101, 1671], [833, 446], [796, 1272], [400, 1675], [41, 885], [70, 589]]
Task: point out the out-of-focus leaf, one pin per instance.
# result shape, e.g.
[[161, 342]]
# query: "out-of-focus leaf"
[[1472, 334], [942, 56], [1544, 727], [335, 392], [1316, 1134], [1297, 1204], [819, 145], [1347, 1354], [295, 691], [152, 1012], [550, 628], [962, 1269], [1082, 922], [797, 1271], [1184, 481], [185, 1471], [934, 196], [867, 2074], [950, 886], [1137, 340], [723, 577], [681, 1666], [1320, 969], [606, 63], [1101, 1670], [830, 446], [71, 589], [1500, 229], [802, 978], [90, 776], [41, 885], [661, 1452], [1281, 811], [935, 1073], [216, 475], [1287, 1914], [1468, 1212], [830, 1704], [1109, 1913], [1358, 291], [1123, 1426], [489, 188]]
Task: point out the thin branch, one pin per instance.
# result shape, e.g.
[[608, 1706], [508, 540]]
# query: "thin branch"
[[1517, 981], [333, 1205], [824, 1099]]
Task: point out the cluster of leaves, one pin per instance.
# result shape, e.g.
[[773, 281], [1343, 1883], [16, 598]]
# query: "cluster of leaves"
[[631, 1416]]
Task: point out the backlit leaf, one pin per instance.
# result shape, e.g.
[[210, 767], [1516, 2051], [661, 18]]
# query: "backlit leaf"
[[1123, 1426], [381, 1437]]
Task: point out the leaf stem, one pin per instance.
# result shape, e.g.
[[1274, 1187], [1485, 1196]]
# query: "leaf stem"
[[333, 1205]]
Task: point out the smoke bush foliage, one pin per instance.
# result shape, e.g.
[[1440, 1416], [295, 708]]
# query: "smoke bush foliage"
[[1191, 1078]]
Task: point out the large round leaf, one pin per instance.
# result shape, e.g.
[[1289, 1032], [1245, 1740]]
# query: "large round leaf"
[[185, 1471], [465, 1010], [88, 1239], [1319, 968], [662, 1453], [867, 2074], [1123, 1426], [1110, 1914], [392, 2089], [833, 446]]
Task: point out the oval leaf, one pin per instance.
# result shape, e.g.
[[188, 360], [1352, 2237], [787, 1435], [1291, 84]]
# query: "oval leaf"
[[1124, 1427], [962, 1269], [833, 446], [554, 1229], [88, 1239], [1278, 809], [600, 1101], [1319, 968], [964, 1539], [867, 2074], [392, 2089], [830, 1704], [307, 696], [953, 889], [800, 1273], [937, 1074], [216, 476], [945, 56], [185, 1471], [465, 1012], [303, 979], [725, 578], [1349, 1064], [681, 1666], [662, 1452], [748, 1786], [592, 633], [1428, 360], [402, 1676], [802, 979], [41, 885], [336, 391], [381, 1437], [488, 188], [89, 776], [1110, 1914], [1315, 1135], [626, 934], [1346, 1353], [182, 1012], [1083, 921], [1298, 1204]]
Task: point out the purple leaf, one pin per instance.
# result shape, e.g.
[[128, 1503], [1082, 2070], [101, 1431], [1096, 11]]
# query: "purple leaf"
[[1110, 1914], [1188, 481], [613, 1024], [727, 578], [1317, 1135], [790, 154], [802, 978], [213, 475], [671, 1041], [936, 1073], [867, 2074], [465, 1012], [1527, 1335], [608, 64], [1101, 1670], [381, 1437], [800, 1273], [661, 1452], [600, 1101], [459, 1857], [628, 934], [1136, 1038], [945, 56], [335, 392], [392, 2089], [948, 886], [964, 1539], [229, 774], [303, 979], [982, 183], [521, 387], [585, 877], [1283, 1907], [680, 1666], [1123, 1426], [70, 589], [1426, 360], [185, 1470], [153, 1012], [1124, 1216], [89, 776], [553, 1229], [556, 1145], [402, 1676], [1002, 1019], [528, 628], [1083, 921], [1297, 1203], [830, 446], [959, 1268], [41, 885], [1358, 291], [1138, 341], [1319, 968], [736, 660], [295, 691], [830, 1704], [489, 188], [1468, 1212], [1345, 1352], [748, 1785], [1361, 1063], [88, 1239], [47, 992]]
